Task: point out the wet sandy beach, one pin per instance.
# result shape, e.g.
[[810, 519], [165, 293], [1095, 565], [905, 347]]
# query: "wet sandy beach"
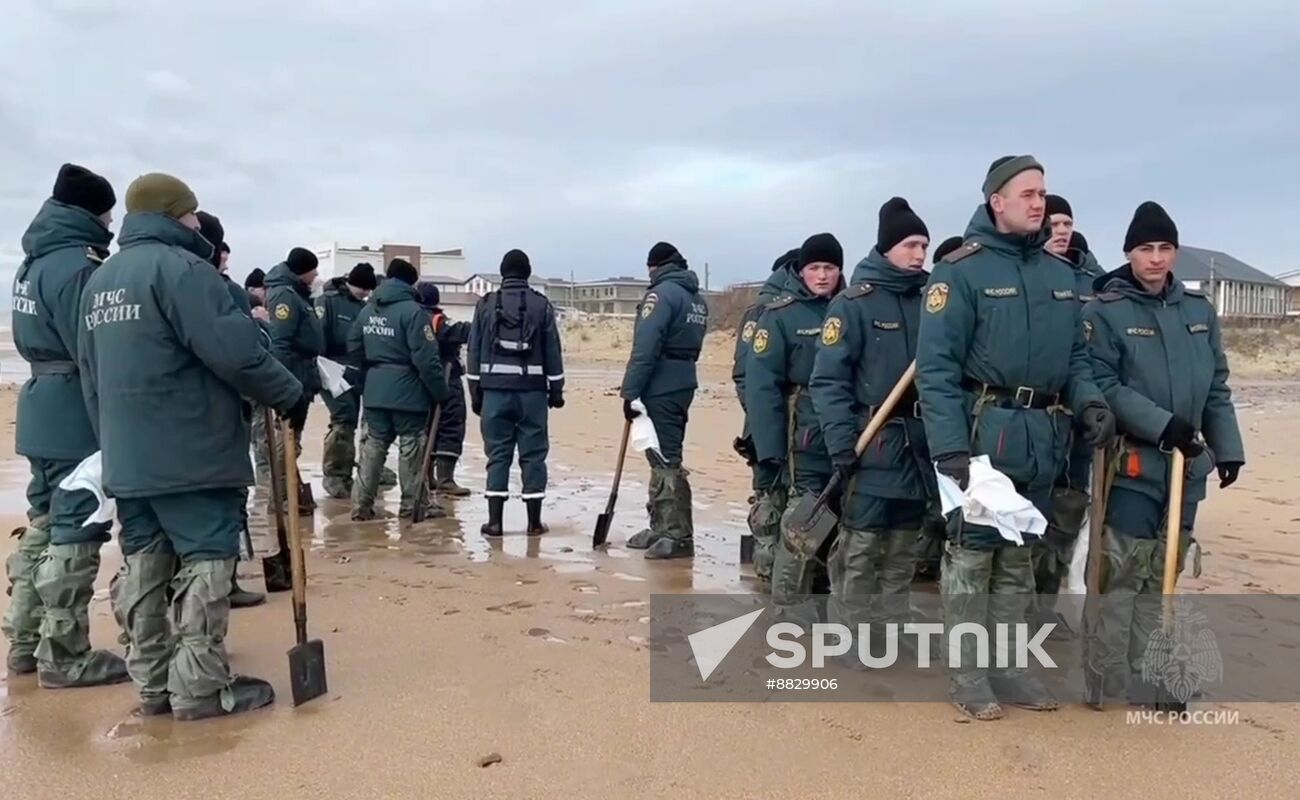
[[443, 648]]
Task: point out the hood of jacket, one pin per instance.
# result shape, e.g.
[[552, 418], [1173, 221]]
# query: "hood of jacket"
[[392, 291], [876, 270], [771, 288], [1015, 245], [1122, 281], [57, 226], [281, 275], [676, 271], [142, 227]]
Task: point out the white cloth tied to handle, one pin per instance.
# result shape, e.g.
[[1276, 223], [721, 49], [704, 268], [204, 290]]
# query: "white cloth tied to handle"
[[991, 499]]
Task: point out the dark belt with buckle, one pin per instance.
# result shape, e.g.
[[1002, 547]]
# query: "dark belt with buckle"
[[1019, 397]]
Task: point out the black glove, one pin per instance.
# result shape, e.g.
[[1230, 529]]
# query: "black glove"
[[354, 377], [767, 473], [555, 398], [744, 447], [957, 467], [1228, 472], [1098, 425], [297, 413], [1180, 433], [629, 413], [476, 398], [845, 465]]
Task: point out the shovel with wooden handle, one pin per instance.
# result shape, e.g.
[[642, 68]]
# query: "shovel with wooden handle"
[[1094, 678], [601, 534], [810, 523], [421, 508], [276, 568], [1173, 535], [307, 657]]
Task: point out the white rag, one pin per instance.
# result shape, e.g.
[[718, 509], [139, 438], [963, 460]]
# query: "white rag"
[[331, 376], [991, 499], [643, 431], [89, 475]]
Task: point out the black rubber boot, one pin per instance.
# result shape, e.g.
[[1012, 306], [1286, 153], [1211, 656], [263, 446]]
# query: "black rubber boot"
[[667, 547], [643, 539], [246, 694], [239, 598], [535, 525], [154, 706], [20, 663], [496, 505], [445, 474]]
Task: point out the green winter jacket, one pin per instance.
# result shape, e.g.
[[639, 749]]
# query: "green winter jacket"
[[337, 309], [1001, 311], [668, 336], [393, 344], [296, 337], [868, 341], [782, 419], [165, 355], [62, 247], [1154, 357]]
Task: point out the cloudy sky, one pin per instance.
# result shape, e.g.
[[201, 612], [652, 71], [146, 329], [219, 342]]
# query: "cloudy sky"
[[585, 131]]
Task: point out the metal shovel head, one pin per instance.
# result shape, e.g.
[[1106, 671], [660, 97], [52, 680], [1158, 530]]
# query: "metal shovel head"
[[746, 549], [277, 572], [601, 534], [808, 527], [307, 671]]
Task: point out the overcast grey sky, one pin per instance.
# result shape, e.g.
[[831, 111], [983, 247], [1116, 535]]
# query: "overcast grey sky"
[[585, 131]]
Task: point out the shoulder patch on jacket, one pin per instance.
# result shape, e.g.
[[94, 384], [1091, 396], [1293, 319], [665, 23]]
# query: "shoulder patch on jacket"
[[780, 302], [967, 249], [760, 341], [320, 312], [936, 297], [859, 290], [1198, 327], [747, 332], [831, 329], [282, 311], [1109, 297], [93, 256]]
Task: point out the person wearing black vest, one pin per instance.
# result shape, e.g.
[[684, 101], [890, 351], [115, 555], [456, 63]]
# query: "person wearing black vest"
[[515, 374]]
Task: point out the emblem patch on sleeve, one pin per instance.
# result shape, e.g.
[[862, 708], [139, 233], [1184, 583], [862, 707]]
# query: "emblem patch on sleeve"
[[760, 341], [936, 298], [831, 331], [320, 312], [1087, 330], [282, 311], [648, 305], [428, 332], [747, 332]]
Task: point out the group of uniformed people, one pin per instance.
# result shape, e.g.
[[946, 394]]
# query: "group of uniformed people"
[[1026, 352]]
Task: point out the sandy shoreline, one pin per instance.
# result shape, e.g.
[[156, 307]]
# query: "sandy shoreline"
[[443, 647]]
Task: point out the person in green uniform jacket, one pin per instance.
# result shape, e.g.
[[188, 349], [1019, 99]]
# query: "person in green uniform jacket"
[[1157, 354], [1000, 358], [210, 228], [338, 307], [867, 342], [393, 344], [766, 505], [787, 434], [52, 571], [296, 340], [666, 342], [1052, 553], [166, 358]]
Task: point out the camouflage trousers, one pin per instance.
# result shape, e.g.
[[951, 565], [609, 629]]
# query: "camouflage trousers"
[[986, 588], [871, 576], [65, 580], [669, 502], [765, 513], [409, 429], [339, 455], [795, 576], [1128, 613], [261, 451]]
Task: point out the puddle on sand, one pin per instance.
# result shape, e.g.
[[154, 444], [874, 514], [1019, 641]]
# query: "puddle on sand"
[[571, 507], [159, 740]]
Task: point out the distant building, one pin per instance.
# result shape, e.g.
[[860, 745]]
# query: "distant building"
[[1292, 279], [616, 297], [1238, 290], [336, 260], [480, 283]]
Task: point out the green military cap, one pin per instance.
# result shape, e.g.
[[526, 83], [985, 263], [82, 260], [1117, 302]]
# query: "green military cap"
[[1006, 168], [159, 193]]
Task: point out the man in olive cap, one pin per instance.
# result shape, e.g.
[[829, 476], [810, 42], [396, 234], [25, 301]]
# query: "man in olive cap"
[[1000, 358], [167, 358], [52, 572]]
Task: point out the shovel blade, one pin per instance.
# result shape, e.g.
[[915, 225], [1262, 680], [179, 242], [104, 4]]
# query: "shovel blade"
[[307, 671], [277, 572], [601, 534], [746, 549], [807, 527]]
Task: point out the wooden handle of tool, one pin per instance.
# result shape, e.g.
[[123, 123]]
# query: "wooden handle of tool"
[[618, 470], [1097, 521], [1177, 466], [277, 484], [886, 408], [295, 533]]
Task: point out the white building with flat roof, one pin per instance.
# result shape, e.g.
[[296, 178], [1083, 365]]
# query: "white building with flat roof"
[[444, 265]]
